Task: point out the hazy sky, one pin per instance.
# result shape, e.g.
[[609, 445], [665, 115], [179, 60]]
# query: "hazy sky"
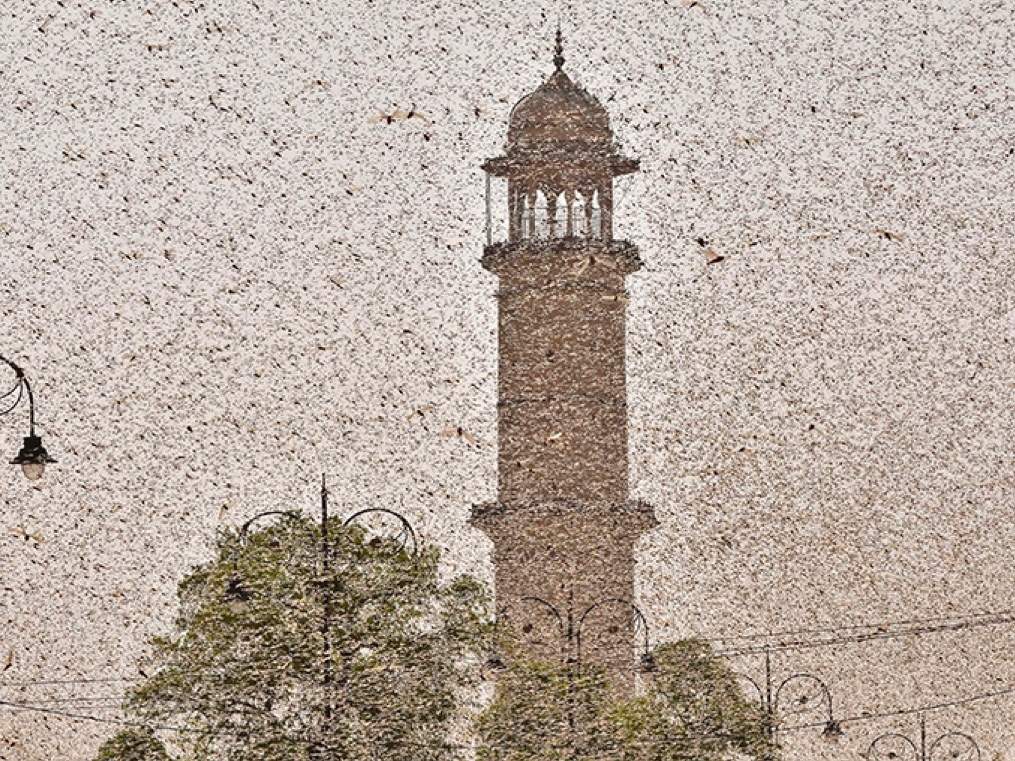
[[226, 275]]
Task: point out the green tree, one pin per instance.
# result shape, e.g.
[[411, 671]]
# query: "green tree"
[[546, 712], [133, 745], [275, 656], [692, 708]]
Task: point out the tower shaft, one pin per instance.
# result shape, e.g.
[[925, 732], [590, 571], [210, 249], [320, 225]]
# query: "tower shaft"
[[562, 408]]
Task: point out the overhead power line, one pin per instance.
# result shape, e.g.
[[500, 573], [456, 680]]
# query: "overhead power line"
[[880, 633], [907, 711], [867, 716], [57, 682], [881, 630], [856, 627]]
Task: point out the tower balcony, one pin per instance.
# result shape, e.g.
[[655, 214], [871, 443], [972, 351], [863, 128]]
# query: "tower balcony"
[[536, 260], [497, 518]]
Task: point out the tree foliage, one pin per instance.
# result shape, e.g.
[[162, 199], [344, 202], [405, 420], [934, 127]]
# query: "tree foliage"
[[275, 656], [547, 712], [289, 649], [133, 745], [691, 708], [694, 708]]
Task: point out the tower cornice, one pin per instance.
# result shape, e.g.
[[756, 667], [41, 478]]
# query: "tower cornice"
[[636, 516], [566, 160], [539, 398], [498, 256]]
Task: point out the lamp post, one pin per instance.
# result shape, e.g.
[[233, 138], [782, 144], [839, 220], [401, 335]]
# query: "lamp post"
[[570, 630], [326, 602], [923, 751], [32, 457], [770, 694], [237, 596]]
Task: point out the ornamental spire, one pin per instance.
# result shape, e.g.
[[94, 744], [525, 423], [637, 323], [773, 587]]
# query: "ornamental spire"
[[558, 58]]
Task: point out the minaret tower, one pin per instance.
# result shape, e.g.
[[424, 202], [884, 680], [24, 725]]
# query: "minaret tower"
[[563, 526]]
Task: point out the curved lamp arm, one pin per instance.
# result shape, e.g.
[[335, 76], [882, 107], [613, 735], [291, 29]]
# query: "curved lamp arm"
[[962, 735], [754, 683], [892, 735], [246, 526], [825, 693], [562, 628], [550, 607], [236, 593], [639, 617], [407, 530], [32, 457], [21, 385], [22, 382]]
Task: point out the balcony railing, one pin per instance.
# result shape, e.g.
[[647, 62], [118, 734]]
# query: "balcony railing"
[[538, 224]]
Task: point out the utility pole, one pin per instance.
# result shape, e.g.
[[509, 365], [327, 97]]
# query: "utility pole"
[[326, 591]]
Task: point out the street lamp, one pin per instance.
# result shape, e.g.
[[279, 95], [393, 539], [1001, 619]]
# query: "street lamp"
[[32, 457], [770, 694], [237, 596], [832, 731], [570, 629], [647, 663], [923, 751], [494, 660]]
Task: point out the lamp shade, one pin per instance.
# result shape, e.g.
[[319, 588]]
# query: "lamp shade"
[[832, 731], [236, 595], [32, 458]]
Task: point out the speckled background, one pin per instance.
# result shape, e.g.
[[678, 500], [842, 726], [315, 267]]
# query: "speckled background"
[[225, 275]]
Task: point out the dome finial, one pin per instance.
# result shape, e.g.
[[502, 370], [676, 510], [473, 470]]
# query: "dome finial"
[[558, 58]]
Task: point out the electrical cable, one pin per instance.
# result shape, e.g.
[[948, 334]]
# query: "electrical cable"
[[1002, 618], [706, 736]]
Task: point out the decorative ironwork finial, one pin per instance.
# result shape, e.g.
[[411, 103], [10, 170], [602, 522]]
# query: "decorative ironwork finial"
[[558, 58]]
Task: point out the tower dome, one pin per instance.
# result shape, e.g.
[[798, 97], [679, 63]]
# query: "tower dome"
[[558, 113], [560, 162]]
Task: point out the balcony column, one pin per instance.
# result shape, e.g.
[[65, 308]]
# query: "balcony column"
[[587, 199], [569, 224], [514, 213], [489, 221], [551, 212], [531, 198], [606, 210]]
